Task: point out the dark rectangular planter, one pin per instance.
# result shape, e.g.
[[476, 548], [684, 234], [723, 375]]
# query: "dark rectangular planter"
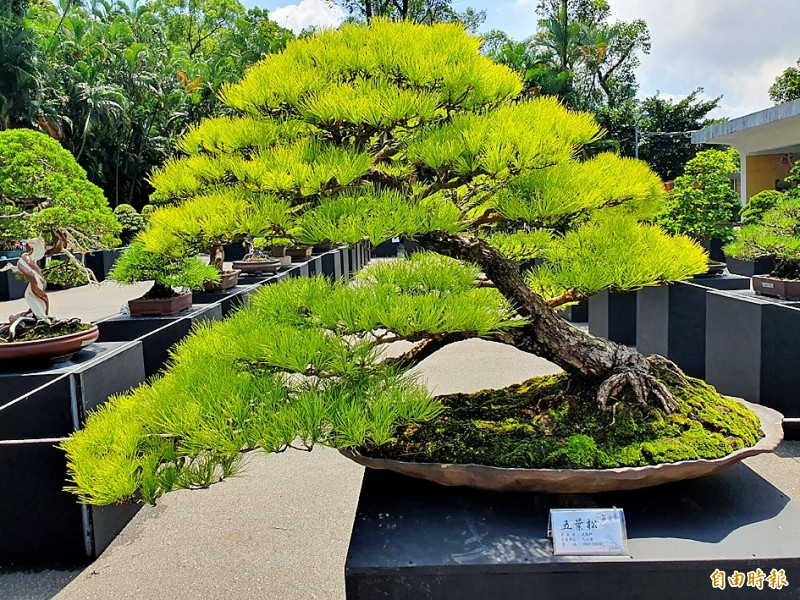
[[11, 288], [157, 334], [39, 522], [751, 346], [671, 320], [772, 287], [576, 313], [613, 316], [100, 262], [229, 300], [748, 268], [714, 249], [413, 539]]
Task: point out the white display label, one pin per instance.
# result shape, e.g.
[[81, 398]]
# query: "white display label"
[[586, 531]]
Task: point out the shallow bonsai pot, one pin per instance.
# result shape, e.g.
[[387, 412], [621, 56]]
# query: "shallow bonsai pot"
[[581, 481], [323, 247], [255, 267], [227, 280], [714, 270], [299, 254], [278, 251], [53, 348], [161, 307], [785, 289], [760, 266]]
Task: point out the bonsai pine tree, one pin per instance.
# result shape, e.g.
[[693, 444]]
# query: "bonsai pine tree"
[[167, 272], [373, 132]]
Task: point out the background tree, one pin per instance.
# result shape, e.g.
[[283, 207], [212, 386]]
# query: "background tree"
[[787, 86], [703, 203], [416, 11], [18, 81], [117, 83], [374, 132], [664, 132]]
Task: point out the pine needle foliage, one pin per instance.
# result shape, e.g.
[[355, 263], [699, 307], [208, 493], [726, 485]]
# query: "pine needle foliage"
[[300, 364], [363, 133]]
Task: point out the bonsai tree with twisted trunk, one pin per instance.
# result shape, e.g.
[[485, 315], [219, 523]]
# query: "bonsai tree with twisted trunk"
[[404, 130], [46, 199]]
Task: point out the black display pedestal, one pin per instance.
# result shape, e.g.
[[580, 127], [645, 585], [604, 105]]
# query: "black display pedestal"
[[332, 264], [11, 288], [613, 316], [39, 522], [228, 300], [671, 320], [157, 334], [414, 539], [751, 349], [576, 313]]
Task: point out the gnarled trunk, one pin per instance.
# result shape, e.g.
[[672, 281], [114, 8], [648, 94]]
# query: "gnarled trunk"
[[217, 257], [546, 334]]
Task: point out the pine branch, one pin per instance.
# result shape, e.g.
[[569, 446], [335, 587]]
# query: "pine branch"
[[425, 349]]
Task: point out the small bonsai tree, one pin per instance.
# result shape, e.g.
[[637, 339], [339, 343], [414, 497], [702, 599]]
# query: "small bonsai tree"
[[703, 204], [404, 130], [45, 193], [46, 199], [167, 272], [776, 234], [206, 223]]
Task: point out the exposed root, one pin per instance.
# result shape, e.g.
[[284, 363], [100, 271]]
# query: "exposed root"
[[643, 383]]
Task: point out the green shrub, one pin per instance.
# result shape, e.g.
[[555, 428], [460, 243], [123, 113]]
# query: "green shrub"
[[777, 234], [130, 221], [136, 264], [42, 182], [64, 273], [703, 204], [755, 208]]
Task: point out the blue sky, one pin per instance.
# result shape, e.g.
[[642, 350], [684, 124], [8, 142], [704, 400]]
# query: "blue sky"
[[733, 48]]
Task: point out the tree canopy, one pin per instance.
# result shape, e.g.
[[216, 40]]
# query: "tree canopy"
[[367, 133], [787, 85]]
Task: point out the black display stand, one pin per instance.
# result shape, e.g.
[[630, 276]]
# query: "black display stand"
[[576, 313], [751, 349], [229, 300], [157, 334], [671, 320], [39, 521], [613, 316], [11, 287], [414, 539]]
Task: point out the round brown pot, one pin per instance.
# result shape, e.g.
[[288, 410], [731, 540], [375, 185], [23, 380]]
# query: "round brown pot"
[[60, 347]]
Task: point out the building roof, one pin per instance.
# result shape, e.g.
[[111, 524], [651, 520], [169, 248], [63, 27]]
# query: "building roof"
[[775, 130]]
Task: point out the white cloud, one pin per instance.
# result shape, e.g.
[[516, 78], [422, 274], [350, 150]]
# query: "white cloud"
[[308, 13], [733, 48]]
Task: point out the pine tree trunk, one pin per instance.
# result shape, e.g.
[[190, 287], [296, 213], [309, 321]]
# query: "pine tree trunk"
[[216, 256], [613, 366]]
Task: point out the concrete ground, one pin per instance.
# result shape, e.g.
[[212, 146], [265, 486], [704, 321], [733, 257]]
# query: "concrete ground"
[[281, 530]]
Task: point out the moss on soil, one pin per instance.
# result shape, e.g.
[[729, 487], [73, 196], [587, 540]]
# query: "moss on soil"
[[553, 422], [44, 330]]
